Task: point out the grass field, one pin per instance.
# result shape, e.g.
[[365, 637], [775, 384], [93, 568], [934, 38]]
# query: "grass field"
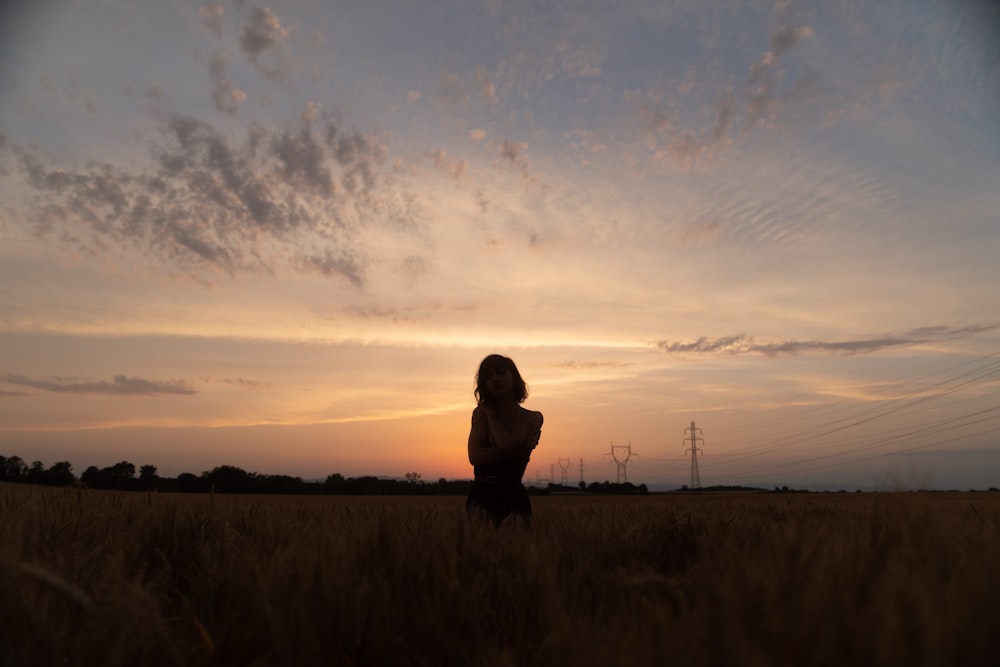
[[103, 578]]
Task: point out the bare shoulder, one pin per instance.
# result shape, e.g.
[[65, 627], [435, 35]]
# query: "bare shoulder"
[[533, 417]]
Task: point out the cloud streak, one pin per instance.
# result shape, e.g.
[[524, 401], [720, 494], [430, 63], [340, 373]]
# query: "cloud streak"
[[743, 344], [121, 385]]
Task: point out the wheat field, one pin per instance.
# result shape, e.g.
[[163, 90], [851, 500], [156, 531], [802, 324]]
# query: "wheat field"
[[106, 578]]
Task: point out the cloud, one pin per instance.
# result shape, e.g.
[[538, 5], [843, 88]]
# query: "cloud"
[[455, 91], [482, 202], [516, 154], [296, 197], [591, 364], [246, 384], [733, 111], [416, 312], [121, 385], [211, 18], [743, 344], [262, 41], [5, 394], [340, 264], [450, 165], [760, 88], [227, 98], [302, 159]]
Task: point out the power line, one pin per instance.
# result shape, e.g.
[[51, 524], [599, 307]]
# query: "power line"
[[877, 443], [869, 414]]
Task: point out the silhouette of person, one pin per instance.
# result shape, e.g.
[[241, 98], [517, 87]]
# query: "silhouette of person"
[[502, 438]]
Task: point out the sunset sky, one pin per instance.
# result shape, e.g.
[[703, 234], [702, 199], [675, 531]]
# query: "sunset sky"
[[283, 236]]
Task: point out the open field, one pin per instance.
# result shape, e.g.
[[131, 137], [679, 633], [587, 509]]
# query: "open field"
[[90, 578]]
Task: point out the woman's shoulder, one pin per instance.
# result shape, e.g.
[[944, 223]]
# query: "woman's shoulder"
[[479, 413], [534, 416]]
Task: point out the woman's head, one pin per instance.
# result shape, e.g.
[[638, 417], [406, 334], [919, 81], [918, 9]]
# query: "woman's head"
[[498, 378]]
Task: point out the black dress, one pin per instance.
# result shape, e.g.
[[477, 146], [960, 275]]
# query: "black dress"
[[498, 493]]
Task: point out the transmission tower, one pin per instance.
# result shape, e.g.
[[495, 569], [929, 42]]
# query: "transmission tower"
[[581, 471], [564, 467], [694, 449], [627, 449]]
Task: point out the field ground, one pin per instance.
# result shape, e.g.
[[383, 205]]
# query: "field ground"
[[105, 578]]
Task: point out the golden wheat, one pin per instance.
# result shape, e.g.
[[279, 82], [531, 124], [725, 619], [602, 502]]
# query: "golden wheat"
[[90, 578]]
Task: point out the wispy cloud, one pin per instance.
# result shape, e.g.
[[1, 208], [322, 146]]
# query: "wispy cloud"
[[734, 111], [744, 344], [295, 197], [246, 384], [417, 312], [121, 385], [591, 364]]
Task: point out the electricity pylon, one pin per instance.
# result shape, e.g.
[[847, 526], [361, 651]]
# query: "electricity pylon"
[[564, 467], [694, 449], [622, 472]]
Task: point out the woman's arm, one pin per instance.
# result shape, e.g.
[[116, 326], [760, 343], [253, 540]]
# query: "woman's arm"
[[480, 450], [524, 435], [532, 429]]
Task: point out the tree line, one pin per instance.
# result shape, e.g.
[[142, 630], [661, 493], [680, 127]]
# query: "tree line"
[[126, 476]]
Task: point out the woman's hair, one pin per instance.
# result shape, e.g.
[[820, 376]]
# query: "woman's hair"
[[489, 366]]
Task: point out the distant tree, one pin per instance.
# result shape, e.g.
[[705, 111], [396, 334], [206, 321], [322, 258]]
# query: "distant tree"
[[334, 483], [36, 473], [412, 477], [147, 477], [229, 479], [92, 477], [60, 474], [365, 485], [282, 484], [12, 468], [119, 476], [189, 483], [583, 485]]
